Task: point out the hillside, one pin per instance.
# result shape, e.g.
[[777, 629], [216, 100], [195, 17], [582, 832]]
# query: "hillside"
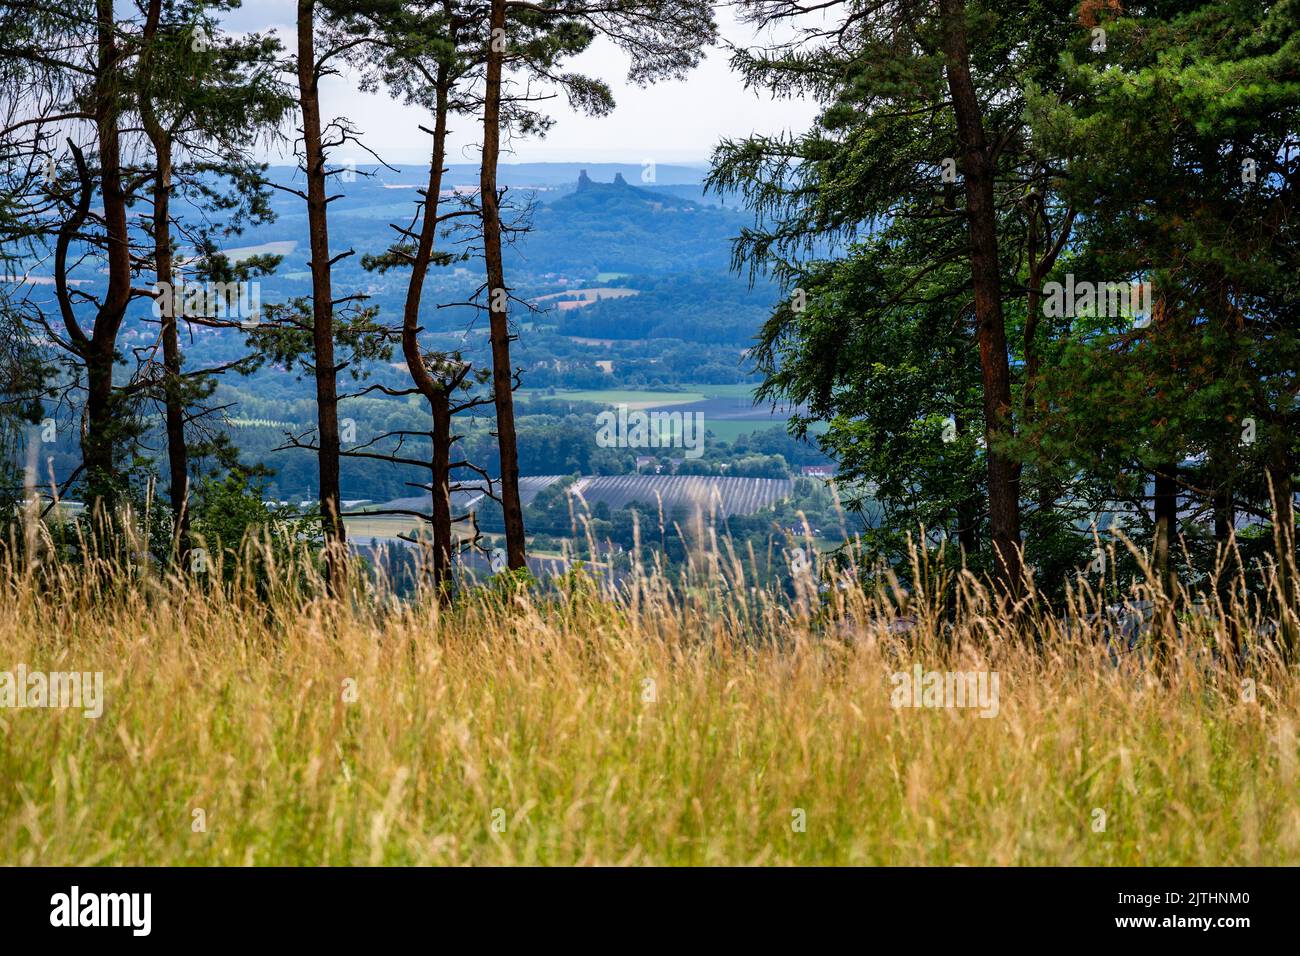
[[612, 262], [618, 227], [641, 229], [580, 233]]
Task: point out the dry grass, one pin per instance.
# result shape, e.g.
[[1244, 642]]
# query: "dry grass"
[[532, 710]]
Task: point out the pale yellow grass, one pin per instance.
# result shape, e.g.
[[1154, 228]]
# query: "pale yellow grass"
[[664, 725]]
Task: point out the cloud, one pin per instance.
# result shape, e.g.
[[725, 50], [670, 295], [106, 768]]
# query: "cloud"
[[669, 122]]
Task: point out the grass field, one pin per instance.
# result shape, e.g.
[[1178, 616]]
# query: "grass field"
[[729, 429], [565, 301], [362, 528], [696, 722], [645, 398], [735, 390], [281, 248], [632, 398]]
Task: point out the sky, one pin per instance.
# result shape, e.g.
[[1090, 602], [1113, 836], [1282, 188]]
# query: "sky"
[[669, 122]]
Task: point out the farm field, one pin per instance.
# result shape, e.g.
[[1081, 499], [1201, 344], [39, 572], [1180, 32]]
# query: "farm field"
[[730, 429], [578, 298], [729, 410], [728, 496], [723, 496], [363, 528], [281, 248], [632, 398]]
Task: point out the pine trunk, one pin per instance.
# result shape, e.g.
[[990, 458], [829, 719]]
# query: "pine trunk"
[[498, 300], [442, 543], [177, 454], [174, 410], [327, 415], [99, 438], [1165, 513], [978, 172]]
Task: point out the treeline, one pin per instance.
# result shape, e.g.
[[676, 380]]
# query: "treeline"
[[111, 111], [709, 309], [1036, 263], [555, 438], [1059, 301]]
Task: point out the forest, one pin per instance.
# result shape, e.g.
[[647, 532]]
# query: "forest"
[[993, 365]]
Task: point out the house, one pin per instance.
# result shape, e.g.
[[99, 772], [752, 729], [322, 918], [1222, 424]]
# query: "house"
[[817, 471]]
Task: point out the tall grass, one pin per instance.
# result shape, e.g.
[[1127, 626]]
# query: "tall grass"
[[691, 720]]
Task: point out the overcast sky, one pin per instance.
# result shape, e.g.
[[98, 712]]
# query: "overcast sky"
[[676, 122]]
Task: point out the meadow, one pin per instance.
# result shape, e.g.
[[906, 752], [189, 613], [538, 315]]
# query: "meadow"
[[729, 410], [632, 398], [689, 721]]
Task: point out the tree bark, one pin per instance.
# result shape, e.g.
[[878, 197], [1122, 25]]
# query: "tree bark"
[[978, 173], [1165, 513], [98, 441], [498, 302], [327, 415], [435, 392], [177, 453], [441, 487]]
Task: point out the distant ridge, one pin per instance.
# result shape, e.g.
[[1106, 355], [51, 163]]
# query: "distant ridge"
[[519, 174], [620, 192]]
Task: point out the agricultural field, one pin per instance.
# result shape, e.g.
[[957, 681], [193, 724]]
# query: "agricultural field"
[[729, 410], [720, 495], [281, 248], [383, 527], [632, 398], [711, 495], [578, 298]]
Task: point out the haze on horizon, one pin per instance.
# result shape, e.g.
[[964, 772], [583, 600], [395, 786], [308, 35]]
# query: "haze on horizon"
[[676, 122]]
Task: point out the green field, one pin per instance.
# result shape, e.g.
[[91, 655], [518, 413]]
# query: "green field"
[[282, 248], [645, 398], [364, 527], [738, 421], [617, 396], [736, 390], [730, 429]]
